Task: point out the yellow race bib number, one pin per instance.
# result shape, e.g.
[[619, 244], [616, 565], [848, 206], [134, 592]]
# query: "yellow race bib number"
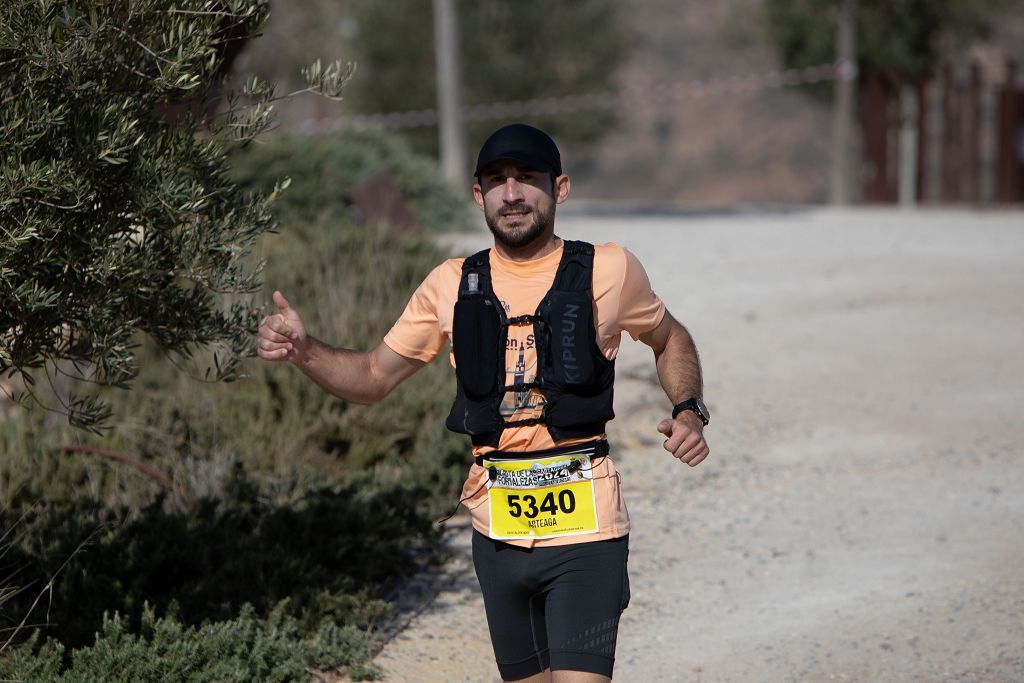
[[541, 498]]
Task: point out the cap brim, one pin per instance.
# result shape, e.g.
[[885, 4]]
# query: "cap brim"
[[521, 157]]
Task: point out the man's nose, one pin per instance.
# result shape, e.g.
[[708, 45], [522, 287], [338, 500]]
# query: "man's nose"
[[513, 191]]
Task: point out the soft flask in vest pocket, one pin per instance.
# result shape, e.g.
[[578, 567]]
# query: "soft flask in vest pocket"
[[476, 331]]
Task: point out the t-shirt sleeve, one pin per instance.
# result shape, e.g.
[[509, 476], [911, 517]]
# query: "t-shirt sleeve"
[[640, 309], [417, 333]]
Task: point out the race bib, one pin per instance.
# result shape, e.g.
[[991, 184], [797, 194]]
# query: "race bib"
[[541, 498]]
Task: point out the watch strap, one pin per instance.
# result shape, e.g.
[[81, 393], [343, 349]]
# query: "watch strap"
[[691, 404]]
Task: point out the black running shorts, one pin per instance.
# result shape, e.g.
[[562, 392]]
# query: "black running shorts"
[[556, 607]]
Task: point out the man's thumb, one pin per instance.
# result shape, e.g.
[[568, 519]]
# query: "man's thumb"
[[281, 303], [665, 427]]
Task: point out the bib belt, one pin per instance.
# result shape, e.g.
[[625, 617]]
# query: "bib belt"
[[591, 449]]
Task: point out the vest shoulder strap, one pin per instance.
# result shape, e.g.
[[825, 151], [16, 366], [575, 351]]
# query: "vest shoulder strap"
[[479, 260], [575, 271], [479, 263]]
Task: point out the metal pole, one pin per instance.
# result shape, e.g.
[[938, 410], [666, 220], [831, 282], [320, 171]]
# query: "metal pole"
[[451, 134], [908, 145], [842, 104]]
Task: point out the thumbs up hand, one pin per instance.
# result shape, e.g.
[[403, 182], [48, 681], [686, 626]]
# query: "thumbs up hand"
[[282, 336]]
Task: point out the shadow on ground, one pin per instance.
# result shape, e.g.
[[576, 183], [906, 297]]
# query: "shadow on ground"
[[329, 553]]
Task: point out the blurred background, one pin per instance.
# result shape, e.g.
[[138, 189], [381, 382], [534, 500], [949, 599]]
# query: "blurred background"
[[711, 103], [203, 521]]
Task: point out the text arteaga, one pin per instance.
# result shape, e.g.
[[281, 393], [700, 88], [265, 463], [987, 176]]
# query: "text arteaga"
[[537, 476]]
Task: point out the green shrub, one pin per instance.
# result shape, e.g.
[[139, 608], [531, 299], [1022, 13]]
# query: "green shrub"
[[350, 284], [283, 498], [300, 496], [329, 553], [240, 650], [323, 168]]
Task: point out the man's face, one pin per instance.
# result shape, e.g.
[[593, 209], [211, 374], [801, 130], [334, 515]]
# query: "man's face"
[[518, 201]]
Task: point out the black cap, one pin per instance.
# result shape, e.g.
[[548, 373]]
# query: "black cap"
[[520, 142]]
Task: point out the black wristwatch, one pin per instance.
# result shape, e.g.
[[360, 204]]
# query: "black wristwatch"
[[696, 405]]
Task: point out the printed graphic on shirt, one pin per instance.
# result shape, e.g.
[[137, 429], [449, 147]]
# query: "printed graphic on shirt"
[[521, 369]]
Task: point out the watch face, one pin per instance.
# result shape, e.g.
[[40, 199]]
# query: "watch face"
[[702, 410]]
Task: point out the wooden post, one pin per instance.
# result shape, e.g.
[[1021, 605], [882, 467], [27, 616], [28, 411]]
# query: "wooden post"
[[971, 180], [880, 119], [907, 155], [1010, 139], [842, 104], [452, 135], [922, 138], [951, 158], [874, 121]]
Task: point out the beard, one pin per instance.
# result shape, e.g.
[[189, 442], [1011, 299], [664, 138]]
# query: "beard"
[[527, 228]]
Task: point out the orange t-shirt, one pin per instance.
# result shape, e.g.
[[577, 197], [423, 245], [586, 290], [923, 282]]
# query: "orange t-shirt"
[[623, 301]]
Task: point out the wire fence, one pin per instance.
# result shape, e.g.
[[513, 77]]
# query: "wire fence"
[[612, 99]]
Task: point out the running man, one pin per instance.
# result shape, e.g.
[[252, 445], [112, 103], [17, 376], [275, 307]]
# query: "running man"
[[535, 325]]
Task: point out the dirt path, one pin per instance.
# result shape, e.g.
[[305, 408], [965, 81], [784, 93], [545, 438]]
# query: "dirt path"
[[862, 516]]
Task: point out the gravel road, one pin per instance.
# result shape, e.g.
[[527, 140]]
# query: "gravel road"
[[861, 517]]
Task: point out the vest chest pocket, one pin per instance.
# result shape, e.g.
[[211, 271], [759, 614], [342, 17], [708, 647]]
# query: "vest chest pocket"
[[569, 338], [476, 333]]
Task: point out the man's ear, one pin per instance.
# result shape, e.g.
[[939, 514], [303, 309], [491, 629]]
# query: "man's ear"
[[478, 195], [562, 187]]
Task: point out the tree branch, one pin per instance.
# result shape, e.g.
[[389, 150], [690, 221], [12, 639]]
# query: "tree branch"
[[151, 472]]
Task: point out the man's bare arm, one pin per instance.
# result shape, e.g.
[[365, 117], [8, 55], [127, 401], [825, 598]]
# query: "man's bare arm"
[[355, 376], [679, 373], [676, 358]]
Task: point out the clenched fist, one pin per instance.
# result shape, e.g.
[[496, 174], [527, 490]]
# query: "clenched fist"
[[685, 438], [282, 336]]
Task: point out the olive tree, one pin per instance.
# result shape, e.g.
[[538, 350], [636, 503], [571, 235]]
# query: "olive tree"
[[117, 215]]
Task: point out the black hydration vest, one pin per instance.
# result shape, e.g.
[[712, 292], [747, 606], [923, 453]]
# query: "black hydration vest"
[[573, 374]]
